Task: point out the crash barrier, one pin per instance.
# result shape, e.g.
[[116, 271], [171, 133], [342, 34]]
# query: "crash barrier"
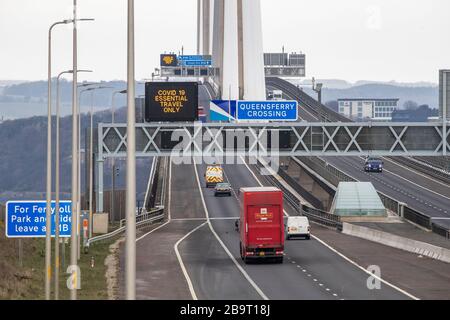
[[143, 220], [391, 240], [334, 175], [315, 215]]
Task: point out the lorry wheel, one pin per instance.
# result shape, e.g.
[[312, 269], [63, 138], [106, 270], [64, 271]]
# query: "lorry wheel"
[[279, 260], [308, 237]]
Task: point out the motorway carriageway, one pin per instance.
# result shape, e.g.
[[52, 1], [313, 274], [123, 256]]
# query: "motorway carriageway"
[[419, 191], [210, 259]]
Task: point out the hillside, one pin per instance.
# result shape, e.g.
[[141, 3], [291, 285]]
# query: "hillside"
[[23, 157], [28, 99], [24, 100], [422, 95]]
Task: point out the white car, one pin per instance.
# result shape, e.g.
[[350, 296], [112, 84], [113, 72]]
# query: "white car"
[[298, 227]]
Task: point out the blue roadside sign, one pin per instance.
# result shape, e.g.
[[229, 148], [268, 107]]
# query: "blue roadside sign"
[[194, 58], [27, 219], [199, 63], [267, 110]]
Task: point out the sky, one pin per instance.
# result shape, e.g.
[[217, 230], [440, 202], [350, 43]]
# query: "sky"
[[379, 40]]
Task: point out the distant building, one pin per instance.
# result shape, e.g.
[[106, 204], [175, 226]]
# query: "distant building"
[[375, 109], [444, 92], [421, 114]]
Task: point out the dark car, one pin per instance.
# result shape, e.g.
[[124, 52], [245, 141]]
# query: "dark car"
[[223, 189], [373, 165]]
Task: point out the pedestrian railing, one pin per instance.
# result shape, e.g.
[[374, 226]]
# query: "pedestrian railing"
[[144, 220]]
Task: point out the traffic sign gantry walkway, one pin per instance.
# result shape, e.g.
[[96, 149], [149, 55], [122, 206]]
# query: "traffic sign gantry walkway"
[[284, 139]]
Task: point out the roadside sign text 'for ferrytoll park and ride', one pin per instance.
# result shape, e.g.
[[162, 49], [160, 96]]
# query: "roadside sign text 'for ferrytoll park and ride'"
[[27, 219]]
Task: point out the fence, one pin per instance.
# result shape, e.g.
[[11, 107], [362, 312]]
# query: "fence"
[[335, 175], [318, 216], [142, 221]]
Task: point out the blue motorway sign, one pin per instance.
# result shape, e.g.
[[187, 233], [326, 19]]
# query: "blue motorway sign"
[[198, 63], [267, 110], [194, 58], [27, 219]]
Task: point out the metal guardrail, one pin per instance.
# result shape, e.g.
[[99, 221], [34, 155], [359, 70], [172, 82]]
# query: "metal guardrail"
[[315, 215], [395, 206], [444, 232], [143, 220], [438, 163], [334, 175], [320, 111], [160, 196], [424, 168], [303, 192], [150, 193]]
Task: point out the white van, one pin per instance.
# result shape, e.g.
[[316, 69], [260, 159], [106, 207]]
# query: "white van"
[[298, 227]]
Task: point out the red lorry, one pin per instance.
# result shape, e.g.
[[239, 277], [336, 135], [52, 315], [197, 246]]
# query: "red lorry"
[[261, 224]]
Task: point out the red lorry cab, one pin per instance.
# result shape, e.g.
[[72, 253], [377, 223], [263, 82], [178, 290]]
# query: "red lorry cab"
[[261, 223]]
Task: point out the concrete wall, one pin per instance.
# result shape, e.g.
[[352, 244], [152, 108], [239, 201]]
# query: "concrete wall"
[[391, 240]]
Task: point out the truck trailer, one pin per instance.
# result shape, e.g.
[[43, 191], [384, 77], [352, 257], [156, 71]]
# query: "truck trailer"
[[261, 224]]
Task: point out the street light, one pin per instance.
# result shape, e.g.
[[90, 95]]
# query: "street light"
[[48, 243], [48, 236], [317, 87], [91, 145], [73, 241], [130, 261], [113, 160], [83, 85], [57, 179], [113, 109]]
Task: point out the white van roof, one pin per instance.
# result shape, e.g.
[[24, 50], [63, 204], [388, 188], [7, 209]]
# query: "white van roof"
[[298, 218]]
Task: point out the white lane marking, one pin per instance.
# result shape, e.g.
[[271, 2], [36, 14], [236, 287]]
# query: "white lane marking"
[[416, 172], [149, 233], [234, 192], [346, 258], [366, 271], [244, 273], [201, 219], [180, 261], [417, 185], [382, 182]]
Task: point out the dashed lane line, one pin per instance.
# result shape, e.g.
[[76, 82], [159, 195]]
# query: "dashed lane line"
[[342, 255], [244, 273]]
